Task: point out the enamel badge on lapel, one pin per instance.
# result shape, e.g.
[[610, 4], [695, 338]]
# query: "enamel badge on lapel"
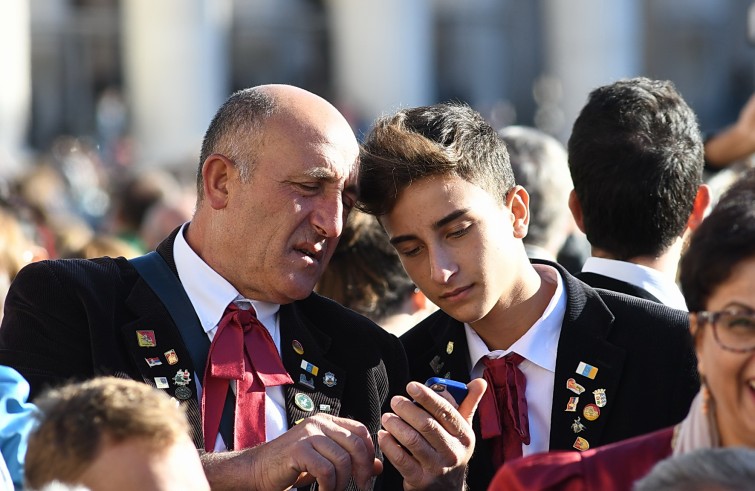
[[571, 406], [304, 402], [297, 346], [182, 379], [161, 382], [591, 412], [577, 425], [171, 357], [600, 397], [450, 347], [436, 364], [587, 370], [329, 379], [153, 362], [573, 386], [581, 444], [306, 382], [146, 339], [325, 408], [308, 367]]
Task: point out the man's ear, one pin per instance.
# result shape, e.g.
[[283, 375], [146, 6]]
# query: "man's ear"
[[700, 206], [576, 211], [216, 174], [518, 201]]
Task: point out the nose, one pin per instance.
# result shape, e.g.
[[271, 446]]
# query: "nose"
[[327, 218], [442, 266]]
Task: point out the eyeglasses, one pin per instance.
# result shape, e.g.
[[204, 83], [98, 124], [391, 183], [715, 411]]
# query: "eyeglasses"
[[733, 331]]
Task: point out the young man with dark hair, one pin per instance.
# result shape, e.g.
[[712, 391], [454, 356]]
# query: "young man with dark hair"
[[568, 367], [636, 159]]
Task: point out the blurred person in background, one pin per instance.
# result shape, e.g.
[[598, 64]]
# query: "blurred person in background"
[[636, 160], [366, 275], [112, 434], [540, 165], [718, 280]]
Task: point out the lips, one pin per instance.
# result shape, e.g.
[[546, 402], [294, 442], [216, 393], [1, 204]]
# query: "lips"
[[455, 293], [314, 251]]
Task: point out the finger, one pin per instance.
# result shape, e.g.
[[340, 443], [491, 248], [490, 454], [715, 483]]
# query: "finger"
[[440, 389], [355, 439], [469, 405], [402, 460], [440, 409]]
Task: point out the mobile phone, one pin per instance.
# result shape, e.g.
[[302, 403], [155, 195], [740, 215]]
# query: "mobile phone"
[[458, 390]]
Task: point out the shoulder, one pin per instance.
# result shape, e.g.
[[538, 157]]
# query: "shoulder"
[[611, 467], [433, 326]]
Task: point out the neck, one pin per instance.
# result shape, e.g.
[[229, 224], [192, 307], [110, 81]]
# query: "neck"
[[512, 317], [667, 262]]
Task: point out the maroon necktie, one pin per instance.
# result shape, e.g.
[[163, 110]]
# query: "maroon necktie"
[[503, 408], [241, 350]]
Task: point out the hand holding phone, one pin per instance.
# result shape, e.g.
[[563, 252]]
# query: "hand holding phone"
[[458, 390]]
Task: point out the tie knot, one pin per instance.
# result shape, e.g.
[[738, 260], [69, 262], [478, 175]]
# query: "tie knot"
[[242, 316], [512, 359]]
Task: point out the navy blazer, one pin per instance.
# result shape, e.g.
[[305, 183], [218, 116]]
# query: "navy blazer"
[[74, 319], [642, 350], [596, 280]]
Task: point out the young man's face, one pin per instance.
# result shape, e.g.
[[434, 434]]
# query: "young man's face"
[[459, 246]]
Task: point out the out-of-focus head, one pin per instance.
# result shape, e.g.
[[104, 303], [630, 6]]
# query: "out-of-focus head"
[[540, 165], [112, 434], [717, 277], [636, 160], [276, 182]]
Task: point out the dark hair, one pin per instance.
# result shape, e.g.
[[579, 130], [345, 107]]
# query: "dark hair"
[[365, 273], [540, 165], [234, 126], [448, 138], [723, 240], [636, 159]]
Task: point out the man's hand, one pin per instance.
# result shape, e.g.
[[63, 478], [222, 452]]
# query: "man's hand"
[[431, 442], [322, 448]]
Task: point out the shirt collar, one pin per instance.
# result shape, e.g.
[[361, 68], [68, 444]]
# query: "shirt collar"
[[651, 280], [208, 291], [540, 343]]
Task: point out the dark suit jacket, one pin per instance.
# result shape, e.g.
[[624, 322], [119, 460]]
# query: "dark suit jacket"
[[74, 319], [596, 280], [643, 352]]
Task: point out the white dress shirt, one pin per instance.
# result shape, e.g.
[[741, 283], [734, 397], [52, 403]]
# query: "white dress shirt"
[[538, 347], [649, 279], [210, 294]]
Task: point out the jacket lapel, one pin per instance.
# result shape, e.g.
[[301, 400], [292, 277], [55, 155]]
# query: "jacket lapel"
[[318, 381], [588, 371]]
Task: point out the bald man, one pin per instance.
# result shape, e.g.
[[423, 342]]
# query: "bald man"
[[276, 181]]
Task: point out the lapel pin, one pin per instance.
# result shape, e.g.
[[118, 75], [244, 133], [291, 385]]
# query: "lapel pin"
[[146, 339], [171, 357], [573, 386], [577, 425], [329, 379], [304, 402], [182, 377], [298, 421], [436, 364], [161, 382], [587, 370], [183, 392], [325, 408], [571, 406], [581, 444], [296, 345], [450, 347], [600, 397], [307, 382], [153, 362], [447, 375], [308, 367], [591, 412]]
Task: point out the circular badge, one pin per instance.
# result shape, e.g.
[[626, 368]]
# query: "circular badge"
[[297, 346], [183, 392], [304, 402], [591, 412]]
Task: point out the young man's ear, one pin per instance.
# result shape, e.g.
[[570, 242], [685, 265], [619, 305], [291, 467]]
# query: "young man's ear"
[[576, 211], [700, 206], [518, 201], [216, 173]]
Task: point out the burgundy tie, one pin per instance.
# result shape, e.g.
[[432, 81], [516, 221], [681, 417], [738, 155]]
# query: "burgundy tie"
[[503, 408], [241, 350]]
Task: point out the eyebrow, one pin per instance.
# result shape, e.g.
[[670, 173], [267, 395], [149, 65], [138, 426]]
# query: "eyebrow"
[[323, 174], [436, 226]]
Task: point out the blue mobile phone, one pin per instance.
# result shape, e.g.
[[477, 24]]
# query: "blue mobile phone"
[[458, 390]]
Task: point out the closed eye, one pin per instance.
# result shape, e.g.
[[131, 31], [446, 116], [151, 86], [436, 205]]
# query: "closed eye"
[[459, 233]]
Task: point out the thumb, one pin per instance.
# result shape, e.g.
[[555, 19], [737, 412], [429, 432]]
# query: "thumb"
[[469, 405]]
